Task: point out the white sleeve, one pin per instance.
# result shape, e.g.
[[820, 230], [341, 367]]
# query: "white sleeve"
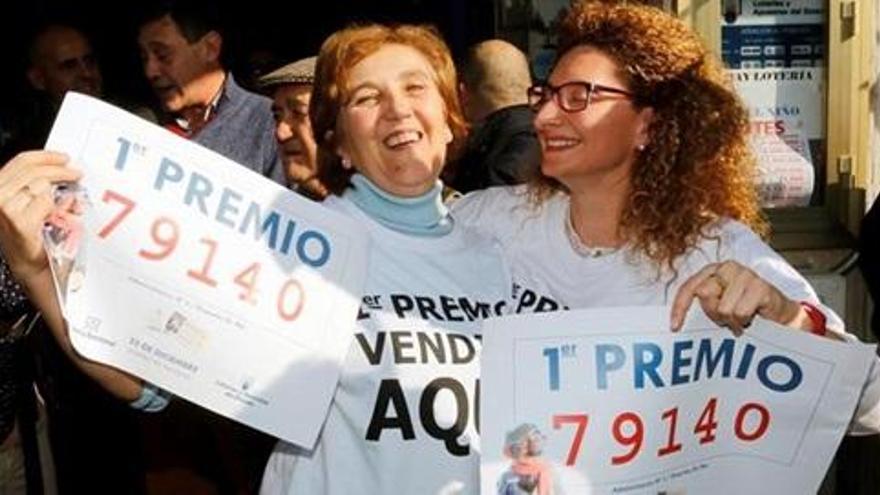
[[278, 473], [474, 210], [152, 399], [749, 250], [489, 211]]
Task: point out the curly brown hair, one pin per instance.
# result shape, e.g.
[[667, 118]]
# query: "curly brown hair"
[[342, 51], [697, 166]]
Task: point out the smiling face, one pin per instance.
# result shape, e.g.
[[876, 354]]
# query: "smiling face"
[[178, 70], [290, 107], [393, 125], [600, 141]]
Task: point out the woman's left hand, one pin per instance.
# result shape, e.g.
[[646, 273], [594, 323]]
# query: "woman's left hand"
[[26, 202], [731, 295]]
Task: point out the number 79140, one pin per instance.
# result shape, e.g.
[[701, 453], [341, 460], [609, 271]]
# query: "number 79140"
[[165, 236], [751, 423]]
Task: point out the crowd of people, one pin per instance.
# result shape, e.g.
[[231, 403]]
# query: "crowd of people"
[[625, 179]]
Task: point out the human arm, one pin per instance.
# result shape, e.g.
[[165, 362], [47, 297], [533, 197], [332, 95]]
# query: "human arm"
[[26, 201], [732, 295], [752, 275], [778, 285], [16, 314]]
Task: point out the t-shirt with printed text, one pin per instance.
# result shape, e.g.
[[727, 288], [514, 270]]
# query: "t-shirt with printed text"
[[404, 416]]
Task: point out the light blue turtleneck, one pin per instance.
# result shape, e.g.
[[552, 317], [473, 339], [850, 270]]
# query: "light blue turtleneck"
[[424, 215]]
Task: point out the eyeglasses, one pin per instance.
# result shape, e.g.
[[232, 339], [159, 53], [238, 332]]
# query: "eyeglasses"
[[574, 96]]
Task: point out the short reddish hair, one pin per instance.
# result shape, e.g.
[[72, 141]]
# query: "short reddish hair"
[[342, 51]]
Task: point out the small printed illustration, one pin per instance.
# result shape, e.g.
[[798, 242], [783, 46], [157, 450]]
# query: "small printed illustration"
[[529, 473], [185, 331], [175, 323], [63, 238], [246, 382]]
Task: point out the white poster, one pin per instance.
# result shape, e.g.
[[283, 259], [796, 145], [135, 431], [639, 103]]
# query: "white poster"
[[201, 276], [787, 125], [611, 401]]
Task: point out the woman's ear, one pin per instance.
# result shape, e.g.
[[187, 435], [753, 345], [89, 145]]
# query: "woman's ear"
[[448, 136], [339, 148], [643, 127], [344, 158]]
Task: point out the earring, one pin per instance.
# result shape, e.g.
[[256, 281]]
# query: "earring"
[[346, 162], [641, 147]]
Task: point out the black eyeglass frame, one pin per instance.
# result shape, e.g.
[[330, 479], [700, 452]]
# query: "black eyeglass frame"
[[545, 92]]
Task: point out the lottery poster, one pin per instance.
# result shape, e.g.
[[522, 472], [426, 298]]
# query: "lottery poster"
[[786, 131], [611, 402], [194, 273], [776, 53]]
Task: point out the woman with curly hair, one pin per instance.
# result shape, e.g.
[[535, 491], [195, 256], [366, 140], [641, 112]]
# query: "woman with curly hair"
[[646, 192]]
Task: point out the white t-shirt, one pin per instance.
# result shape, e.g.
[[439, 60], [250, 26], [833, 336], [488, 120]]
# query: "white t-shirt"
[[549, 274], [403, 418]]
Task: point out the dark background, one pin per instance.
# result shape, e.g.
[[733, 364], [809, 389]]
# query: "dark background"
[[291, 29]]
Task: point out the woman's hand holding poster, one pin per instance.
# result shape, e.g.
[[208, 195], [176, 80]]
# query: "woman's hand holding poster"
[[611, 401]]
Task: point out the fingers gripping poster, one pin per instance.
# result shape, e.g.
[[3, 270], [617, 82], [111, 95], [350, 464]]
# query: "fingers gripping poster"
[[190, 271], [611, 402]]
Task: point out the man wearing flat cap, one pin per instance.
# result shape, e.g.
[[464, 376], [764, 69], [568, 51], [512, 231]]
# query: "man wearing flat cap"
[[291, 90]]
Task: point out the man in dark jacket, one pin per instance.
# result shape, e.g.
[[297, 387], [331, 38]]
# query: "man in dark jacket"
[[181, 51], [869, 259], [503, 147], [60, 59]]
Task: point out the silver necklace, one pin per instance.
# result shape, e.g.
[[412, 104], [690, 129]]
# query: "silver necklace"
[[578, 245]]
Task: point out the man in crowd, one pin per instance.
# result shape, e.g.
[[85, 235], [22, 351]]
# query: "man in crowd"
[[181, 50], [60, 59], [503, 147], [291, 90]]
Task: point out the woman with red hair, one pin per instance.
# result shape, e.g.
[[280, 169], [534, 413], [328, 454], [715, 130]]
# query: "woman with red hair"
[[385, 116]]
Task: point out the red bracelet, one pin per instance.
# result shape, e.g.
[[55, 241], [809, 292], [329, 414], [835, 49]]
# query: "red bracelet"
[[818, 320]]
